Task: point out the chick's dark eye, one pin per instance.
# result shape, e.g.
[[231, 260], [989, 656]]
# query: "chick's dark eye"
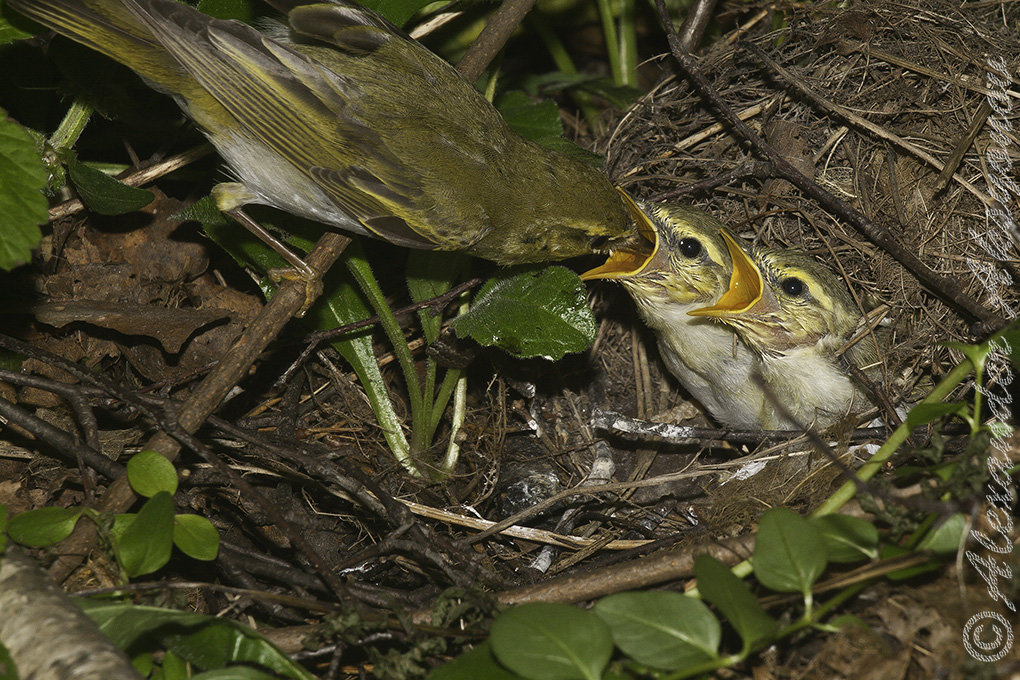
[[690, 247], [792, 286]]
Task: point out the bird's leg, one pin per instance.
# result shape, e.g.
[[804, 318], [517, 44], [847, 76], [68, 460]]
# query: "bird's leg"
[[229, 197]]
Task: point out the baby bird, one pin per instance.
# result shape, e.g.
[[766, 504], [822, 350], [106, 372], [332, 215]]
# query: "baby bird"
[[690, 267], [796, 314]]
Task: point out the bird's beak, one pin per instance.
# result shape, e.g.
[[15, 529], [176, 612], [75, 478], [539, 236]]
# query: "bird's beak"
[[628, 262], [746, 286]]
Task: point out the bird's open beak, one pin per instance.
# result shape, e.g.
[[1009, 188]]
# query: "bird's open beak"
[[626, 261], [746, 286]]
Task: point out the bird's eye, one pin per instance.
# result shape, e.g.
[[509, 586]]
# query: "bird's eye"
[[792, 286], [690, 247]]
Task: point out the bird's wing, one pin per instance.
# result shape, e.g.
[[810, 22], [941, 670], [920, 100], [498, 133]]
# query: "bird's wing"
[[297, 107]]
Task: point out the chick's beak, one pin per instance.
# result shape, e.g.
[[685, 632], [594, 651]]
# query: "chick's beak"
[[629, 261], [746, 286]]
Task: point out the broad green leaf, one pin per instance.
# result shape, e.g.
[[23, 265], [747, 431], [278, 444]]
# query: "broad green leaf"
[[1008, 342], [847, 620], [532, 313], [100, 192], [173, 667], [3, 529], [397, 11], [43, 527], [847, 539], [662, 630], [734, 599], [430, 273], [8, 671], [532, 120], [236, 673], [145, 545], [944, 539], [976, 353], [244, 247], [13, 26], [478, 664], [205, 641], [22, 203], [143, 663], [546, 641], [922, 414], [196, 537], [149, 473], [240, 10], [789, 553], [887, 552], [342, 303]]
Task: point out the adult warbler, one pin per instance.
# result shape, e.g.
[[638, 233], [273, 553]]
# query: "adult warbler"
[[340, 117], [797, 315], [690, 267]]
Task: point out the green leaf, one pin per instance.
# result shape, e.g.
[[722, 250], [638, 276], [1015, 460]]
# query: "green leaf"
[[532, 120], [847, 539], [8, 671], [149, 473], [847, 620], [9, 31], [944, 539], [145, 545], [533, 313], [397, 11], [22, 203], [236, 673], [976, 353], [100, 192], [890, 551], [204, 641], [546, 641], [196, 537], [922, 414], [430, 273], [789, 553], [342, 303], [1008, 342], [3, 528], [174, 667], [240, 10], [734, 599], [478, 664], [662, 630], [43, 527]]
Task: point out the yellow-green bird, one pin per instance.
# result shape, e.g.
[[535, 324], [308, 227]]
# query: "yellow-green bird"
[[797, 315], [340, 117], [691, 267]]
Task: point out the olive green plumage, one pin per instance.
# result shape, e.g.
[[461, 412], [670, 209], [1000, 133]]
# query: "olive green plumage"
[[342, 118]]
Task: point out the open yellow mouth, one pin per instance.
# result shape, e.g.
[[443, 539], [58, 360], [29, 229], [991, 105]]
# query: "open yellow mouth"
[[745, 285], [624, 263]]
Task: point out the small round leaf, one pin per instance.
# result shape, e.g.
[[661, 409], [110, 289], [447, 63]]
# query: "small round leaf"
[[196, 537], [149, 473]]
